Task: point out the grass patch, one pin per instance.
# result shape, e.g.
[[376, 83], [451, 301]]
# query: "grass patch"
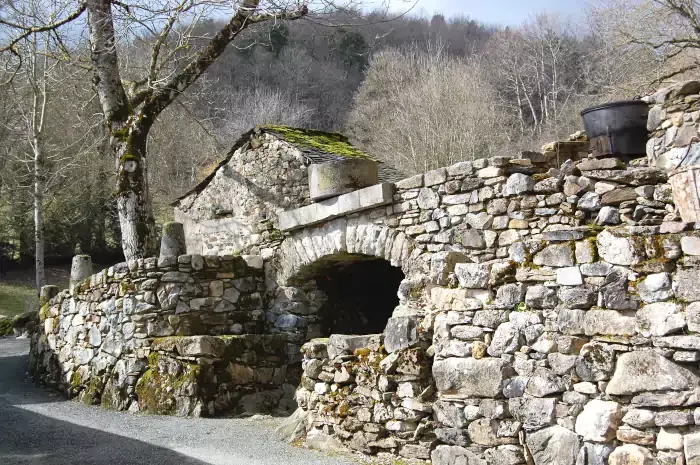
[[16, 299]]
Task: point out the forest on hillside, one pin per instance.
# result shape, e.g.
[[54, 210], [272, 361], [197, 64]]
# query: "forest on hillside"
[[418, 92]]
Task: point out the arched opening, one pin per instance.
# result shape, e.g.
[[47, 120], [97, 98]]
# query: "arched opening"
[[360, 292]]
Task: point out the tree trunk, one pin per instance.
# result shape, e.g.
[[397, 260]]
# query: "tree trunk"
[[130, 120], [39, 216], [133, 203], [127, 134]]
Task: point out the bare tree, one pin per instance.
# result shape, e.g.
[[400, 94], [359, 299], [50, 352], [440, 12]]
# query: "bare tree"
[[669, 30], [30, 94], [131, 105], [538, 71], [420, 109], [262, 106]]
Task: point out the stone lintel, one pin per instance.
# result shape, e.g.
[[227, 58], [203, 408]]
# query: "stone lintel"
[[363, 199]]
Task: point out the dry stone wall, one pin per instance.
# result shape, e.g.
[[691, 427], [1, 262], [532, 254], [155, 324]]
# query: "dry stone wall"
[[547, 316], [541, 301], [673, 122], [183, 335]]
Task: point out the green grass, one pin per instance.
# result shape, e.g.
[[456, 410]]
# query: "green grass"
[[16, 299]]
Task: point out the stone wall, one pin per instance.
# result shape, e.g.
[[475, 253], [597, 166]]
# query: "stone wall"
[[547, 316], [540, 291], [196, 324], [238, 208], [573, 346], [674, 119]]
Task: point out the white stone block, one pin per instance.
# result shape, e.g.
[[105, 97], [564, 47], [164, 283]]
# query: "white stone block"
[[363, 199]]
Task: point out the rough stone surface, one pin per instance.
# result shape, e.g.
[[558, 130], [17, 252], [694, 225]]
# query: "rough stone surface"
[[691, 448], [400, 333], [470, 377], [631, 454], [618, 250], [554, 446], [659, 319], [533, 413], [599, 421], [655, 288], [648, 371], [339, 344]]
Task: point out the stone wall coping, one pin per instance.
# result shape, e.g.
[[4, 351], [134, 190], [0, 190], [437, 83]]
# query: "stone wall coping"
[[352, 202]]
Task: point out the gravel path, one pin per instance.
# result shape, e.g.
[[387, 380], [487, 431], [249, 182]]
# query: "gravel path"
[[37, 427]]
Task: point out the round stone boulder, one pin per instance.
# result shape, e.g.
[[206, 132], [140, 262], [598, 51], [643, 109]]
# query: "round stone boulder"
[[341, 176]]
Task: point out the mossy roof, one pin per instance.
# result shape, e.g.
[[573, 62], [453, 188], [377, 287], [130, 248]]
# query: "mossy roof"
[[317, 146], [313, 141]]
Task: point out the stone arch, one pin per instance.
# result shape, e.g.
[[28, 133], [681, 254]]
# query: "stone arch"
[[359, 236]]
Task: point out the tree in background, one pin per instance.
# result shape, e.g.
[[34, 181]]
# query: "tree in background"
[[41, 159], [132, 99], [538, 74], [667, 30], [420, 109]]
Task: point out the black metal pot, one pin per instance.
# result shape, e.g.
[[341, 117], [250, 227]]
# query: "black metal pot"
[[617, 128]]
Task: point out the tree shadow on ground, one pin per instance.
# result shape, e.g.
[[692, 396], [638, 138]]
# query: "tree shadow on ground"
[[27, 437]]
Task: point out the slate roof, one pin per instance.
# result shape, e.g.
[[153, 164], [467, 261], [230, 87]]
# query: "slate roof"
[[317, 146]]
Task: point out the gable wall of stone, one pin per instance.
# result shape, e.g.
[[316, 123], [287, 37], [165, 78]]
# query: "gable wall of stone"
[[238, 208]]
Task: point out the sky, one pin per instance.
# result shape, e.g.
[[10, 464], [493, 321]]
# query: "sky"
[[498, 12]]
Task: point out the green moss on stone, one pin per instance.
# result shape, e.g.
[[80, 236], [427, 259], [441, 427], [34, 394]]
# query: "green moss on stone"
[[109, 398], [275, 235], [334, 143], [166, 344], [168, 227], [415, 293], [156, 390], [5, 326], [75, 380], [125, 287], [44, 312], [593, 241], [91, 396], [594, 227]]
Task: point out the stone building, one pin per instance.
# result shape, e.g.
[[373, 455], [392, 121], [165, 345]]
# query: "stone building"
[[236, 206], [513, 310]]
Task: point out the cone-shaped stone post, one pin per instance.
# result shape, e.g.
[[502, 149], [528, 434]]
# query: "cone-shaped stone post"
[[172, 243], [80, 269], [47, 293]]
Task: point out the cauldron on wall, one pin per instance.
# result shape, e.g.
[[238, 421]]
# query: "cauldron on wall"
[[617, 129]]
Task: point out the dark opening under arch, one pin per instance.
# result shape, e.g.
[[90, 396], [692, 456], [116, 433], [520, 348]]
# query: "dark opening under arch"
[[361, 292]]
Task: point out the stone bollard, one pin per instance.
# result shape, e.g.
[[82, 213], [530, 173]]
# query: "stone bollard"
[[334, 178], [172, 244], [80, 269], [47, 293]]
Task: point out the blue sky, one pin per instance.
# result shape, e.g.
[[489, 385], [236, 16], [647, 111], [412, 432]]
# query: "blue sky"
[[503, 12]]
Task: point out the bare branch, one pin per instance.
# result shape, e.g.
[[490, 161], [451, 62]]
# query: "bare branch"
[[243, 18], [37, 29]]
